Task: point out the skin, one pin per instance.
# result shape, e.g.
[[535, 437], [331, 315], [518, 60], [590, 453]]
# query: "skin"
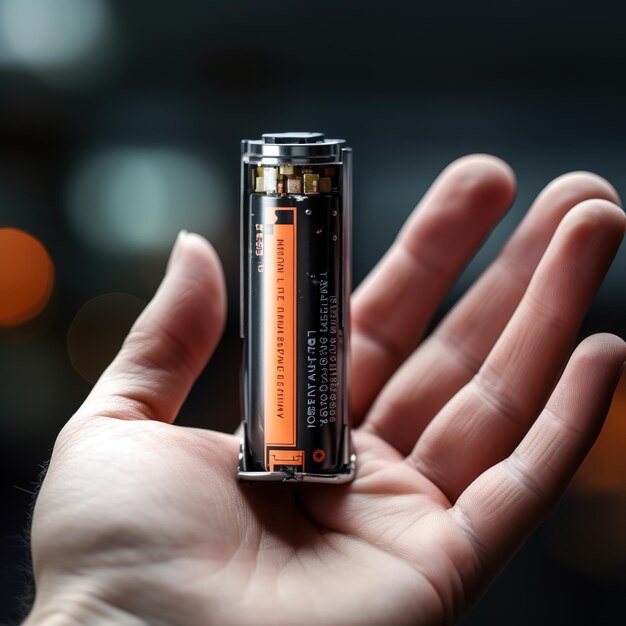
[[464, 444]]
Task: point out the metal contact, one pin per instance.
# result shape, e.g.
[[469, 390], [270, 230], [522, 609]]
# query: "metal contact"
[[292, 147]]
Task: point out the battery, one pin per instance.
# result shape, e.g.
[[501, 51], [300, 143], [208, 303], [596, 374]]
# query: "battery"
[[296, 202]]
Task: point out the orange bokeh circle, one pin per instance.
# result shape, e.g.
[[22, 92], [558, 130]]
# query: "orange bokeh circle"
[[26, 277]]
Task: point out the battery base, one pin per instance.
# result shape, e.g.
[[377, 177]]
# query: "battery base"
[[344, 475]]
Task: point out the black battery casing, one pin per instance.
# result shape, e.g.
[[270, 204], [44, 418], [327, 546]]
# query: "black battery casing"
[[295, 373]]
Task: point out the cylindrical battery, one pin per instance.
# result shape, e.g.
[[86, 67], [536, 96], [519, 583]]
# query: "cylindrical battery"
[[296, 215]]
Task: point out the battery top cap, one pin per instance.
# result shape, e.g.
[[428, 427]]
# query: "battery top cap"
[[283, 138]]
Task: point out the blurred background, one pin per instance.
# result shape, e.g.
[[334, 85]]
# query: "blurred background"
[[120, 124]]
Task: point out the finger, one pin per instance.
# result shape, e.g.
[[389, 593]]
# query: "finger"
[[170, 342], [456, 349], [501, 507], [486, 419], [393, 306]]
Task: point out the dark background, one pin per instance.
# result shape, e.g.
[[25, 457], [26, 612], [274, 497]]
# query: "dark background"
[[120, 124]]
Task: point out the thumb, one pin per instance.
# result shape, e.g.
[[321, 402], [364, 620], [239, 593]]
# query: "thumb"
[[169, 343]]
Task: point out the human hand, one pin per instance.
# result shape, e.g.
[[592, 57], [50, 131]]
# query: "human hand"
[[463, 445]]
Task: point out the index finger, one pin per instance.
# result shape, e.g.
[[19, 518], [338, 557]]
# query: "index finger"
[[393, 306]]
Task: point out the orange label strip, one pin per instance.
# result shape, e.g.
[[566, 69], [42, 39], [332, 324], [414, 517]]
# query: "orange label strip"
[[279, 335]]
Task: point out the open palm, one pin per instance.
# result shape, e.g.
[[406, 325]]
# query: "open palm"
[[463, 444]]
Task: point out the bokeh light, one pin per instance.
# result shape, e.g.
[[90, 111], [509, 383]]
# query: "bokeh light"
[[26, 277], [54, 36], [593, 539], [98, 331], [604, 469], [56, 39], [135, 200]]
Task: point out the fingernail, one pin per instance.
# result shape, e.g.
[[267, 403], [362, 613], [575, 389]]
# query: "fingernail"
[[176, 249]]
